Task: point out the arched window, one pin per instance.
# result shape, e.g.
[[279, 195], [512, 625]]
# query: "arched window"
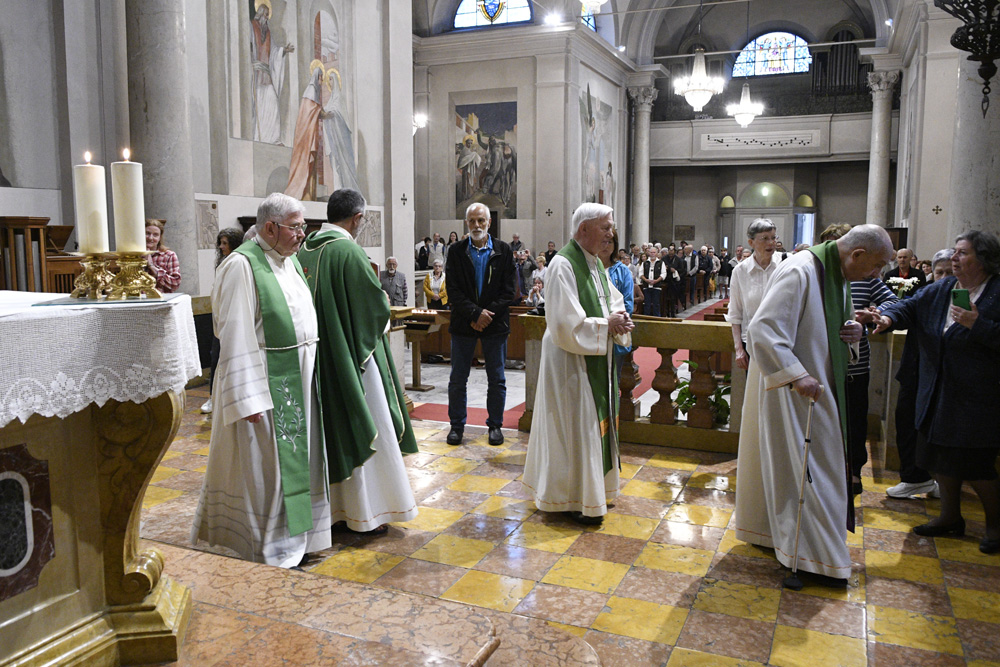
[[773, 53], [587, 19], [482, 13]]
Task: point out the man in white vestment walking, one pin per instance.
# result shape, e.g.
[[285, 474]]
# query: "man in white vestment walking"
[[265, 492], [572, 463], [801, 338]]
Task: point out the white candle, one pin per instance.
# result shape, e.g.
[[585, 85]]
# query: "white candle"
[[130, 215], [91, 197]]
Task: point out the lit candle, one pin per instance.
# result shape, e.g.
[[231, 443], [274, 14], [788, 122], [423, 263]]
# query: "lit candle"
[[91, 198], [130, 215]]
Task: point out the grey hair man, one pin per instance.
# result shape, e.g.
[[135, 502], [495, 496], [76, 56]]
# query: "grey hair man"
[[394, 282]]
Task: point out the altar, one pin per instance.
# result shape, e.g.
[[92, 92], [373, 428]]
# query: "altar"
[[90, 397]]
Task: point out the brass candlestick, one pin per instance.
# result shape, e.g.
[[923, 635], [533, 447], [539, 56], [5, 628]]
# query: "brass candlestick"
[[95, 277], [132, 281]]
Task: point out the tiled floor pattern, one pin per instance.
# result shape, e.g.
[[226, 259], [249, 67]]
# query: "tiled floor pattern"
[[662, 581]]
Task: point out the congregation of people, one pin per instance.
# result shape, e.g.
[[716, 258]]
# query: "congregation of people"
[[310, 425]]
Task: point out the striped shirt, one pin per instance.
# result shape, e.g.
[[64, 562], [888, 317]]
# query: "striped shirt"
[[866, 293]]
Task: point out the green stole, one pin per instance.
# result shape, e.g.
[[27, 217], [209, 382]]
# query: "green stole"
[[284, 378], [836, 296], [353, 312], [604, 388]]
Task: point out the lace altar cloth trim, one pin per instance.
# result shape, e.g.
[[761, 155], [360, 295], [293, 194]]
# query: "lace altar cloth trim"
[[57, 360]]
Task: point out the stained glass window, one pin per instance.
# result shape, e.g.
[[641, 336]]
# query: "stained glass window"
[[480, 13], [773, 53], [587, 19]]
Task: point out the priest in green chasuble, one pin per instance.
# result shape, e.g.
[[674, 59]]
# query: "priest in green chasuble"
[[366, 426], [265, 492], [572, 463]]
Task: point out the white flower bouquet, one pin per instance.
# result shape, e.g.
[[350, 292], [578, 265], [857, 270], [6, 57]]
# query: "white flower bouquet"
[[902, 286]]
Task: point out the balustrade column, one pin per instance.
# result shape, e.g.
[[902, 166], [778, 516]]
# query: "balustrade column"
[[882, 84], [664, 411], [643, 97], [703, 384]]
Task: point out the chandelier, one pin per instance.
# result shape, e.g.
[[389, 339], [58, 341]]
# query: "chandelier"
[[980, 36], [698, 88], [746, 110]]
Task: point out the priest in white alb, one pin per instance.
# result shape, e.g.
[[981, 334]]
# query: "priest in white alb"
[[801, 338], [366, 426], [265, 492], [572, 463]]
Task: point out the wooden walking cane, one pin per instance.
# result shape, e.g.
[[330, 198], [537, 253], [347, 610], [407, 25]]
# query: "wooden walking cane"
[[792, 581]]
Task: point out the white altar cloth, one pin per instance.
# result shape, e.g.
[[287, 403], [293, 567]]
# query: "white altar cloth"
[[57, 360]]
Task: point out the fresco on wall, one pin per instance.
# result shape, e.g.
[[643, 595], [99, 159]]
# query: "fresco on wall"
[[369, 234], [486, 157], [207, 216], [296, 96], [598, 174]]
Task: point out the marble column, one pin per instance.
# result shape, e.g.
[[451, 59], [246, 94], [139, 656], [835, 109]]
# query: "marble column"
[[975, 163], [881, 84], [643, 97], [159, 124]]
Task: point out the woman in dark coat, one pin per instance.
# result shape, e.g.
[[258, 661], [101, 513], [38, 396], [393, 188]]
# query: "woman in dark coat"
[[958, 383]]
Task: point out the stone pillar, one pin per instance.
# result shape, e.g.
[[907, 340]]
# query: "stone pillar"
[[159, 123], [975, 163], [643, 97], [881, 84]]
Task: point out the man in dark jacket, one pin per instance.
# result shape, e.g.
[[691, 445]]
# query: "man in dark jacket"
[[904, 270], [479, 278]]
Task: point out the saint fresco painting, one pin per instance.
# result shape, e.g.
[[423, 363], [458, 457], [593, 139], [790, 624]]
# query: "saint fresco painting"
[[486, 157], [598, 173]]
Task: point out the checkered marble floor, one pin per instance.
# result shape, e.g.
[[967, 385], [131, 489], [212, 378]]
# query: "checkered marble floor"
[[663, 581]]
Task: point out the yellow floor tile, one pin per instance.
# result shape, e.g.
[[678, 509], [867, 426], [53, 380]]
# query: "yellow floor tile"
[[742, 600], [203, 451], [628, 470], [201, 469], [572, 629], [795, 647], [708, 480], [454, 550], [493, 591], [651, 490], [511, 457], [674, 462], [502, 507], [204, 436], [435, 447], [171, 455], [977, 605], [685, 657], [484, 441], [163, 472], [586, 574], [903, 566], [157, 494], [641, 620], [877, 484], [626, 525], [424, 433], [554, 539], [907, 628], [965, 551], [675, 558], [982, 663], [855, 591], [902, 522], [432, 519], [359, 565], [478, 484], [731, 545], [699, 515], [857, 538], [451, 464]]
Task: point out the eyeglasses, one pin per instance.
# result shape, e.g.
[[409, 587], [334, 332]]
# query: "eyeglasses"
[[296, 229]]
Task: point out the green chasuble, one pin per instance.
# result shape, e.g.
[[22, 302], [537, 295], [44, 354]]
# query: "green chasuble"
[[353, 312], [284, 378], [603, 383], [838, 308]]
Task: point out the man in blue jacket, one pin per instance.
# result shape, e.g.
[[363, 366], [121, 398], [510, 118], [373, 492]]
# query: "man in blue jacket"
[[480, 281]]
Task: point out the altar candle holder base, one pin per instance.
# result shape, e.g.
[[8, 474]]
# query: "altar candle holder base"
[[95, 278], [132, 281]]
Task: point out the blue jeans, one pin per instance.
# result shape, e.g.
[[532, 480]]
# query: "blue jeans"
[[495, 351]]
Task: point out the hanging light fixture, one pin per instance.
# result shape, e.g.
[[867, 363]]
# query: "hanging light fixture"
[[699, 87], [747, 110], [980, 35]]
